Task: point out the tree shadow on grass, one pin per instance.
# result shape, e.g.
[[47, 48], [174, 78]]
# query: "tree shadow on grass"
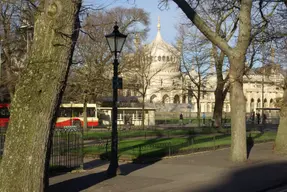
[[259, 178], [151, 151]]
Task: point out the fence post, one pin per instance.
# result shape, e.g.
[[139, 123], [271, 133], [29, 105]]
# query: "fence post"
[[107, 143], [82, 148]]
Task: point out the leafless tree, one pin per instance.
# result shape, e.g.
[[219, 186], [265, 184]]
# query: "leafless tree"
[[249, 25], [195, 64]]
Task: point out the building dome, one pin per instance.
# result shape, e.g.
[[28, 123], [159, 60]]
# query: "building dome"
[[161, 51]]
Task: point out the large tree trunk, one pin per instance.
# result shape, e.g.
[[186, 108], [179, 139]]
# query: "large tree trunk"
[[218, 107], [281, 138], [37, 96], [237, 100]]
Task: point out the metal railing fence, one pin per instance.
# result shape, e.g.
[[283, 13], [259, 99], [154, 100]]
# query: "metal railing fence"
[[67, 147]]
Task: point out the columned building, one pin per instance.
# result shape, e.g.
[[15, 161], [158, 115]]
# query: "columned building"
[[169, 88]]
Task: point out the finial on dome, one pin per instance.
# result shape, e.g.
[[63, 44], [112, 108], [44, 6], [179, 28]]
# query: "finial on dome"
[[158, 23]]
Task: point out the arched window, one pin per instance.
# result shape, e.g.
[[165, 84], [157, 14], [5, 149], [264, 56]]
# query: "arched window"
[[152, 98], [271, 104], [167, 58], [159, 58], [165, 99], [163, 58], [252, 105], [258, 103], [265, 102], [176, 99], [184, 99]]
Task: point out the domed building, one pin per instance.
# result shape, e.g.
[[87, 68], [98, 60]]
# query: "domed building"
[[170, 90], [165, 85]]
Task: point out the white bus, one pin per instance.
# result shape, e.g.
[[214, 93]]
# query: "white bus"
[[72, 114]]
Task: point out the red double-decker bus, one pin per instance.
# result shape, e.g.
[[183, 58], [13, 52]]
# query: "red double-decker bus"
[[4, 115], [71, 114], [68, 115]]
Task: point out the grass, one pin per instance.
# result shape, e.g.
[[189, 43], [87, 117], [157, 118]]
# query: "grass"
[[148, 133], [160, 147], [187, 120]]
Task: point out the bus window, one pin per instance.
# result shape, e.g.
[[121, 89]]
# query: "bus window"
[[65, 112], [91, 112], [77, 112], [4, 112]]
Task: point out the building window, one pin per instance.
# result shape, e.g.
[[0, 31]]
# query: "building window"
[[159, 58]]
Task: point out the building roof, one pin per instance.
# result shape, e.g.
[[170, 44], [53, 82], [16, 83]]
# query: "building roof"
[[159, 46]]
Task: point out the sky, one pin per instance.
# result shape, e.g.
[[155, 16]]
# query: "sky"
[[168, 18]]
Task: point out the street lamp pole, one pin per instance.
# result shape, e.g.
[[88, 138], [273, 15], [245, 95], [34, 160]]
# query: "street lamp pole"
[[1, 59], [115, 41]]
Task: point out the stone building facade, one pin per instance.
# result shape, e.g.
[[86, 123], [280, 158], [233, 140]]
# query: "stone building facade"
[[169, 88]]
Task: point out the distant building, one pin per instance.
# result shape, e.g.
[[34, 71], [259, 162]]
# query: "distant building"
[[169, 90]]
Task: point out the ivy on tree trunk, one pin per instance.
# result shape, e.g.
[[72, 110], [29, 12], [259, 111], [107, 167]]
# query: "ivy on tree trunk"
[[281, 138], [37, 97]]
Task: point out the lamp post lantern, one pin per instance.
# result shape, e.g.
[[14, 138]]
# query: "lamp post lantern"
[[115, 42]]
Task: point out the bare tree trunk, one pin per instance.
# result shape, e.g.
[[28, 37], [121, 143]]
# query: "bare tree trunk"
[[85, 127], [218, 107], [37, 97], [220, 95], [143, 113], [281, 138], [237, 100], [198, 113]]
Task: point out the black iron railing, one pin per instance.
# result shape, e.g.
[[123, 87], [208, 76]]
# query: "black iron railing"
[[67, 147]]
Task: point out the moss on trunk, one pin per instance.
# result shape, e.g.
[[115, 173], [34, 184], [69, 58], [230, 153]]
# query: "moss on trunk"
[[37, 97], [237, 100], [281, 138]]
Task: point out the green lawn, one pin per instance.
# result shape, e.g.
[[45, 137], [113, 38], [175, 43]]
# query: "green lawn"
[[160, 147], [147, 133]]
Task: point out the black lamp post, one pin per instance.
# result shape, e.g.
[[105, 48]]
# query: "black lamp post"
[[116, 42]]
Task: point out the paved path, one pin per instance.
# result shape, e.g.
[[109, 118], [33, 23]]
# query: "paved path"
[[201, 172]]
